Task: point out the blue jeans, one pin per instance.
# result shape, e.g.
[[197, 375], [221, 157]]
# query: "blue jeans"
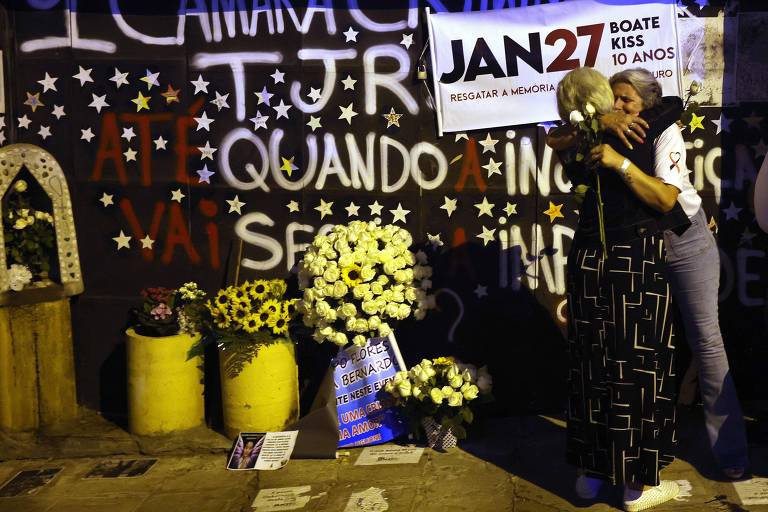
[[694, 276]]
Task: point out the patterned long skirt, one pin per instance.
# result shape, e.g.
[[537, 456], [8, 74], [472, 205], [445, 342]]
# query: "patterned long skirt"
[[621, 403]]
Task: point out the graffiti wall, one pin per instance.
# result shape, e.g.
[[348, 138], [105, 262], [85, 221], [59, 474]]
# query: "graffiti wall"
[[210, 140]]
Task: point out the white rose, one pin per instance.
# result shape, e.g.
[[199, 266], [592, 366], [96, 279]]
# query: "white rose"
[[374, 322], [384, 330], [576, 117], [447, 391], [331, 274], [436, 395], [589, 109], [361, 325], [404, 388], [410, 294], [471, 392], [377, 288], [390, 267], [391, 310], [367, 273], [322, 308], [456, 399], [399, 376], [360, 290], [327, 331], [456, 381], [359, 340], [340, 339], [370, 307], [403, 311], [345, 260], [417, 392], [347, 310], [349, 324]]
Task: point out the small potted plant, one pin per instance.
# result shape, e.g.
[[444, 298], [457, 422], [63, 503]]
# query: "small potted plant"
[[259, 376], [438, 395], [165, 388]]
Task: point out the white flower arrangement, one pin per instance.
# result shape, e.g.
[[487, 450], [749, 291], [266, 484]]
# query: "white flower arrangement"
[[360, 278], [19, 276]]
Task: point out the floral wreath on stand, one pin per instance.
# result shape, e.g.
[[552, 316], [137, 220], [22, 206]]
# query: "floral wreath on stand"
[[359, 279]]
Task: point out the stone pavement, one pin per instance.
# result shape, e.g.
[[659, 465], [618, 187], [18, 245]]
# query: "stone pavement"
[[512, 464]]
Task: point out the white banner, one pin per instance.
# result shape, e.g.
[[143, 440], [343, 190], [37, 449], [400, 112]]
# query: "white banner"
[[501, 67]]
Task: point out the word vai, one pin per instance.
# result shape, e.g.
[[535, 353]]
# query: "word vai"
[[532, 55]]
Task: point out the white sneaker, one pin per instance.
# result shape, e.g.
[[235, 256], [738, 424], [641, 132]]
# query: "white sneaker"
[[642, 500], [587, 487]]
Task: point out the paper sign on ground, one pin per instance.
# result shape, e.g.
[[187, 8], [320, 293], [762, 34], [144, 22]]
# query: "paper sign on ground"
[[389, 454], [686, 490], [262, 450], [369, 500], [753, 491], [283, 498]]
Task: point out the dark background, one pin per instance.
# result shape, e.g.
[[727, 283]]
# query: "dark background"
[[516, 328]]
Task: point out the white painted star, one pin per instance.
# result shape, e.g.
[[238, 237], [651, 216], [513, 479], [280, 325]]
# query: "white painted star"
[[487, 235], [87, 134], [203, 122], [352, 209], [98, 102], [235, 205], [58, 111], [160, 143], [150, 79], [449, 205], [119, 78], [510, 209], [123, 241], [315, 94], [44, 132], [481, 291], [347, 113], [220, 101], [407, 40], [278, 76], [324, 208], [723, 124], [732, 212], [349, 83], [489, 144], [128, 134], [48, 83], [350, 35], [130, 155], [259, 121], [24, 121], [200, 85], [264, 96], [434, 240], [84, 75], [282, 110], [460, 136], [375, 208], [146, 242], [493, 167], [292, 206], [204, 175], [177, 195], [314, 123], [106, 199], [485, 208], [399, 214], [207, 151]]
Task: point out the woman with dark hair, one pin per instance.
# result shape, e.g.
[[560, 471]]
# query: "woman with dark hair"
[[694, 265], [621, 403]]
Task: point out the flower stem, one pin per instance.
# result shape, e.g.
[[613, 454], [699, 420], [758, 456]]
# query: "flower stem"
[[600, 218]]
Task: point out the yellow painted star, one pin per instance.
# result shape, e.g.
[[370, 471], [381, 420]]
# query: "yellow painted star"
[[696, 122], [141, 102], [287, 166], [554, 211], [393, 118], [33, 100], [171, 95]]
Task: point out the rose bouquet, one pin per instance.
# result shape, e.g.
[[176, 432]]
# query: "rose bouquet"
[[359, 279], [440, 391], [170, 311], [242, 318], [29, 238]]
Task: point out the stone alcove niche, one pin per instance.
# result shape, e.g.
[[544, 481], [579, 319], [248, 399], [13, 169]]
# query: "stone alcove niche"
[[48, 173]]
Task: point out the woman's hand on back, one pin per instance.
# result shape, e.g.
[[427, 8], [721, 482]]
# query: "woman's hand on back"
[[624, 125]]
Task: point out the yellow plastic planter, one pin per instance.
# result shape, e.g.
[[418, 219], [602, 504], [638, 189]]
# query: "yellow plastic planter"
[[165, 391], [264, 396]]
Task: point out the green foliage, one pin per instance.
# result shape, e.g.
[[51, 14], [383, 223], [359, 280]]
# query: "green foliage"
[[29, 234]]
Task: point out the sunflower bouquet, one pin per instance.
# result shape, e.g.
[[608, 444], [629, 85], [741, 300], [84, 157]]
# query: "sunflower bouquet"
[[243, 318], [359, 279]]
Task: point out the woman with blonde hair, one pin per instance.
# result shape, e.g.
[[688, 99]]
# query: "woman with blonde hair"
[[621, 403]]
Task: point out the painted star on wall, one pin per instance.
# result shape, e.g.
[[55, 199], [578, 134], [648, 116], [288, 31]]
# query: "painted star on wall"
[[278, 77], [324, 208], [375, 208], [48, 83], [347, 113], [160, 143], [235, 205], [282, 110], [434, 240], [393, 118], [449, 205], [204, 175], [130, 155], [141, 102], [460, 136], [481, 291], [349, 83], [128, 134], [510, 209], [87, 134], [107, 199], [485, 208], [493, 167], [314, 123], [350, 35], [150, 79], [264, 96], [220, 101], [288, 166], [696, 122], [147, 242], [99, 102], [123, 241], [488, 235], [119, 78], [58, 112], [44, 132], [207, 151], [292, 206], [200, 85], [488, 144], [554, 211], [259, 121], [732, 212], [352, 209], [723, 124], [33, 100], [177, 195], [407, 41], [83, 75], [399, 214], [24, 121], [203, 122], [315, 94], [171, 95]]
